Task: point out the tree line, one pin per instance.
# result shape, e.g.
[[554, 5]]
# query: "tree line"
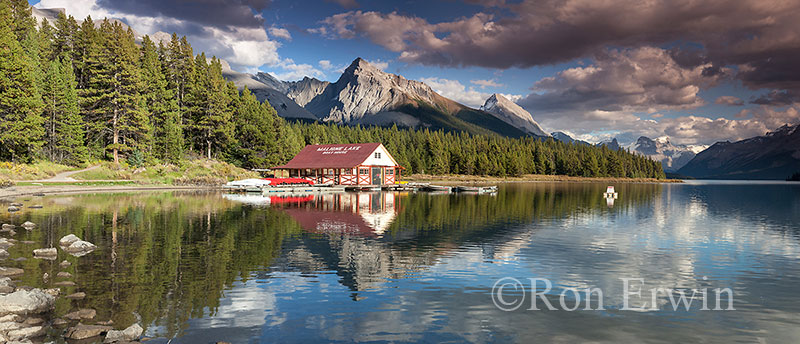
[[72, 92]]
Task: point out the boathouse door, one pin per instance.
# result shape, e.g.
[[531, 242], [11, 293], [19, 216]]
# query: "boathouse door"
[[376, 176]]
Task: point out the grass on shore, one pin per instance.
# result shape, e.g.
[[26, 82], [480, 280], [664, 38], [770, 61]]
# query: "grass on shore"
[[450, 178], [33, 171], [86, 183], [188, 172]]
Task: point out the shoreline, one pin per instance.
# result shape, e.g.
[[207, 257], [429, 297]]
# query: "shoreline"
[[17, 191], [32, 190], [530, 178]]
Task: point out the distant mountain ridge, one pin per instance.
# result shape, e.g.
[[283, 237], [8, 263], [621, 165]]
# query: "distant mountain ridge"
[[775, 155], [366, 95], [672, 157]]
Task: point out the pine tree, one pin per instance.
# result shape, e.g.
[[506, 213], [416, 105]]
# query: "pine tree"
[[211, 111], [161, 104], [64, 125], [21, 131]]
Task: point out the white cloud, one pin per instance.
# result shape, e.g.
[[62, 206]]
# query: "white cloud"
[[455, 90], [486, 83], [382, 65], [245, 47], [325, 64], [278, 32], [294, 71]]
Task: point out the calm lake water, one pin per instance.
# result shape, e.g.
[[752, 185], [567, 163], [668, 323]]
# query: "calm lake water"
[[402, 267]]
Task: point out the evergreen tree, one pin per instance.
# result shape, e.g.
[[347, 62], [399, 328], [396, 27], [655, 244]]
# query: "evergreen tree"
[[64, 124], [21, 131], [161, 105]]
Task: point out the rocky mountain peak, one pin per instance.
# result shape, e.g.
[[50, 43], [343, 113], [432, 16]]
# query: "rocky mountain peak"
[[511, 113]]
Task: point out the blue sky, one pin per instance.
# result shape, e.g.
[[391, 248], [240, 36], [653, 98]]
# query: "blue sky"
[[595, 70]]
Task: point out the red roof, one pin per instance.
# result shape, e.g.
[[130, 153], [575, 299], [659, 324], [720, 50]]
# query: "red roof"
[[331, 156]]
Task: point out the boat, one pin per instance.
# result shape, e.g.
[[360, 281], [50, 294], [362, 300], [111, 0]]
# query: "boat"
[[439, 188], [475, 189], [253, 184]]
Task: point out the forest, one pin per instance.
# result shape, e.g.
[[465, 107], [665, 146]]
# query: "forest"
[[73, 92]]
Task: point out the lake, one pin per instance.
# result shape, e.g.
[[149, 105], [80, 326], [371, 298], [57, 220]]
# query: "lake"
[[200, 267]]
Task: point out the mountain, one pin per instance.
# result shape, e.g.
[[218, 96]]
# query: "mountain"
[[564, 137], [284, 106], [672, 157], [775, 155], [511, 113], [613, 144], [366, 95]]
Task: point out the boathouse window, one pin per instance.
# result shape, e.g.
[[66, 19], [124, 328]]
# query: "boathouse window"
[[363, 171], [389, 171], [377, 155]]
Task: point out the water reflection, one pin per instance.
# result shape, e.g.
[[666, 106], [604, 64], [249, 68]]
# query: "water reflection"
[[202, 267]]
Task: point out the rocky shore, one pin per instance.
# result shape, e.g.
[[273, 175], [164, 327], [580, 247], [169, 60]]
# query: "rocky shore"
[[27, 314]]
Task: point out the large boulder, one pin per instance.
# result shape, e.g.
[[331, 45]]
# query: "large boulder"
[[12, 209], [29, 225], [129, 334], [68, 240], [32, 301], [82, 331]]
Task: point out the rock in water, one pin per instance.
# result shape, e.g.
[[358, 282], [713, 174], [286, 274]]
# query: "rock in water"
[[86, 313], [68, 240], [82, 331], [6, 285], [36, 206], [10, 271], [5, 243], [126, 335], [16, 204], [80, 248], [63, 274], [29, 225], [23, 302], [64, 264], [12, 209], [7, 227], [45, 253], [26, 332], [76, 296], [3, 253]]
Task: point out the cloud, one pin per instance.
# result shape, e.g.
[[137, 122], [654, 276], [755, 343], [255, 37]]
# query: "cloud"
[[778, 98], [230, 30], [325, 64], [382, 65], [645, 79], [455, 90], [486, 83], [622, 91], [294, 71], [278, 32], [760, 37], [729, 100]]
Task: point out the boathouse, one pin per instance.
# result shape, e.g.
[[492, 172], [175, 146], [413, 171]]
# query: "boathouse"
[[343, 164]]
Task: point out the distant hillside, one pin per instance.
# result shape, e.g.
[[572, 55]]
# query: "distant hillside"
[[775, 155]]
